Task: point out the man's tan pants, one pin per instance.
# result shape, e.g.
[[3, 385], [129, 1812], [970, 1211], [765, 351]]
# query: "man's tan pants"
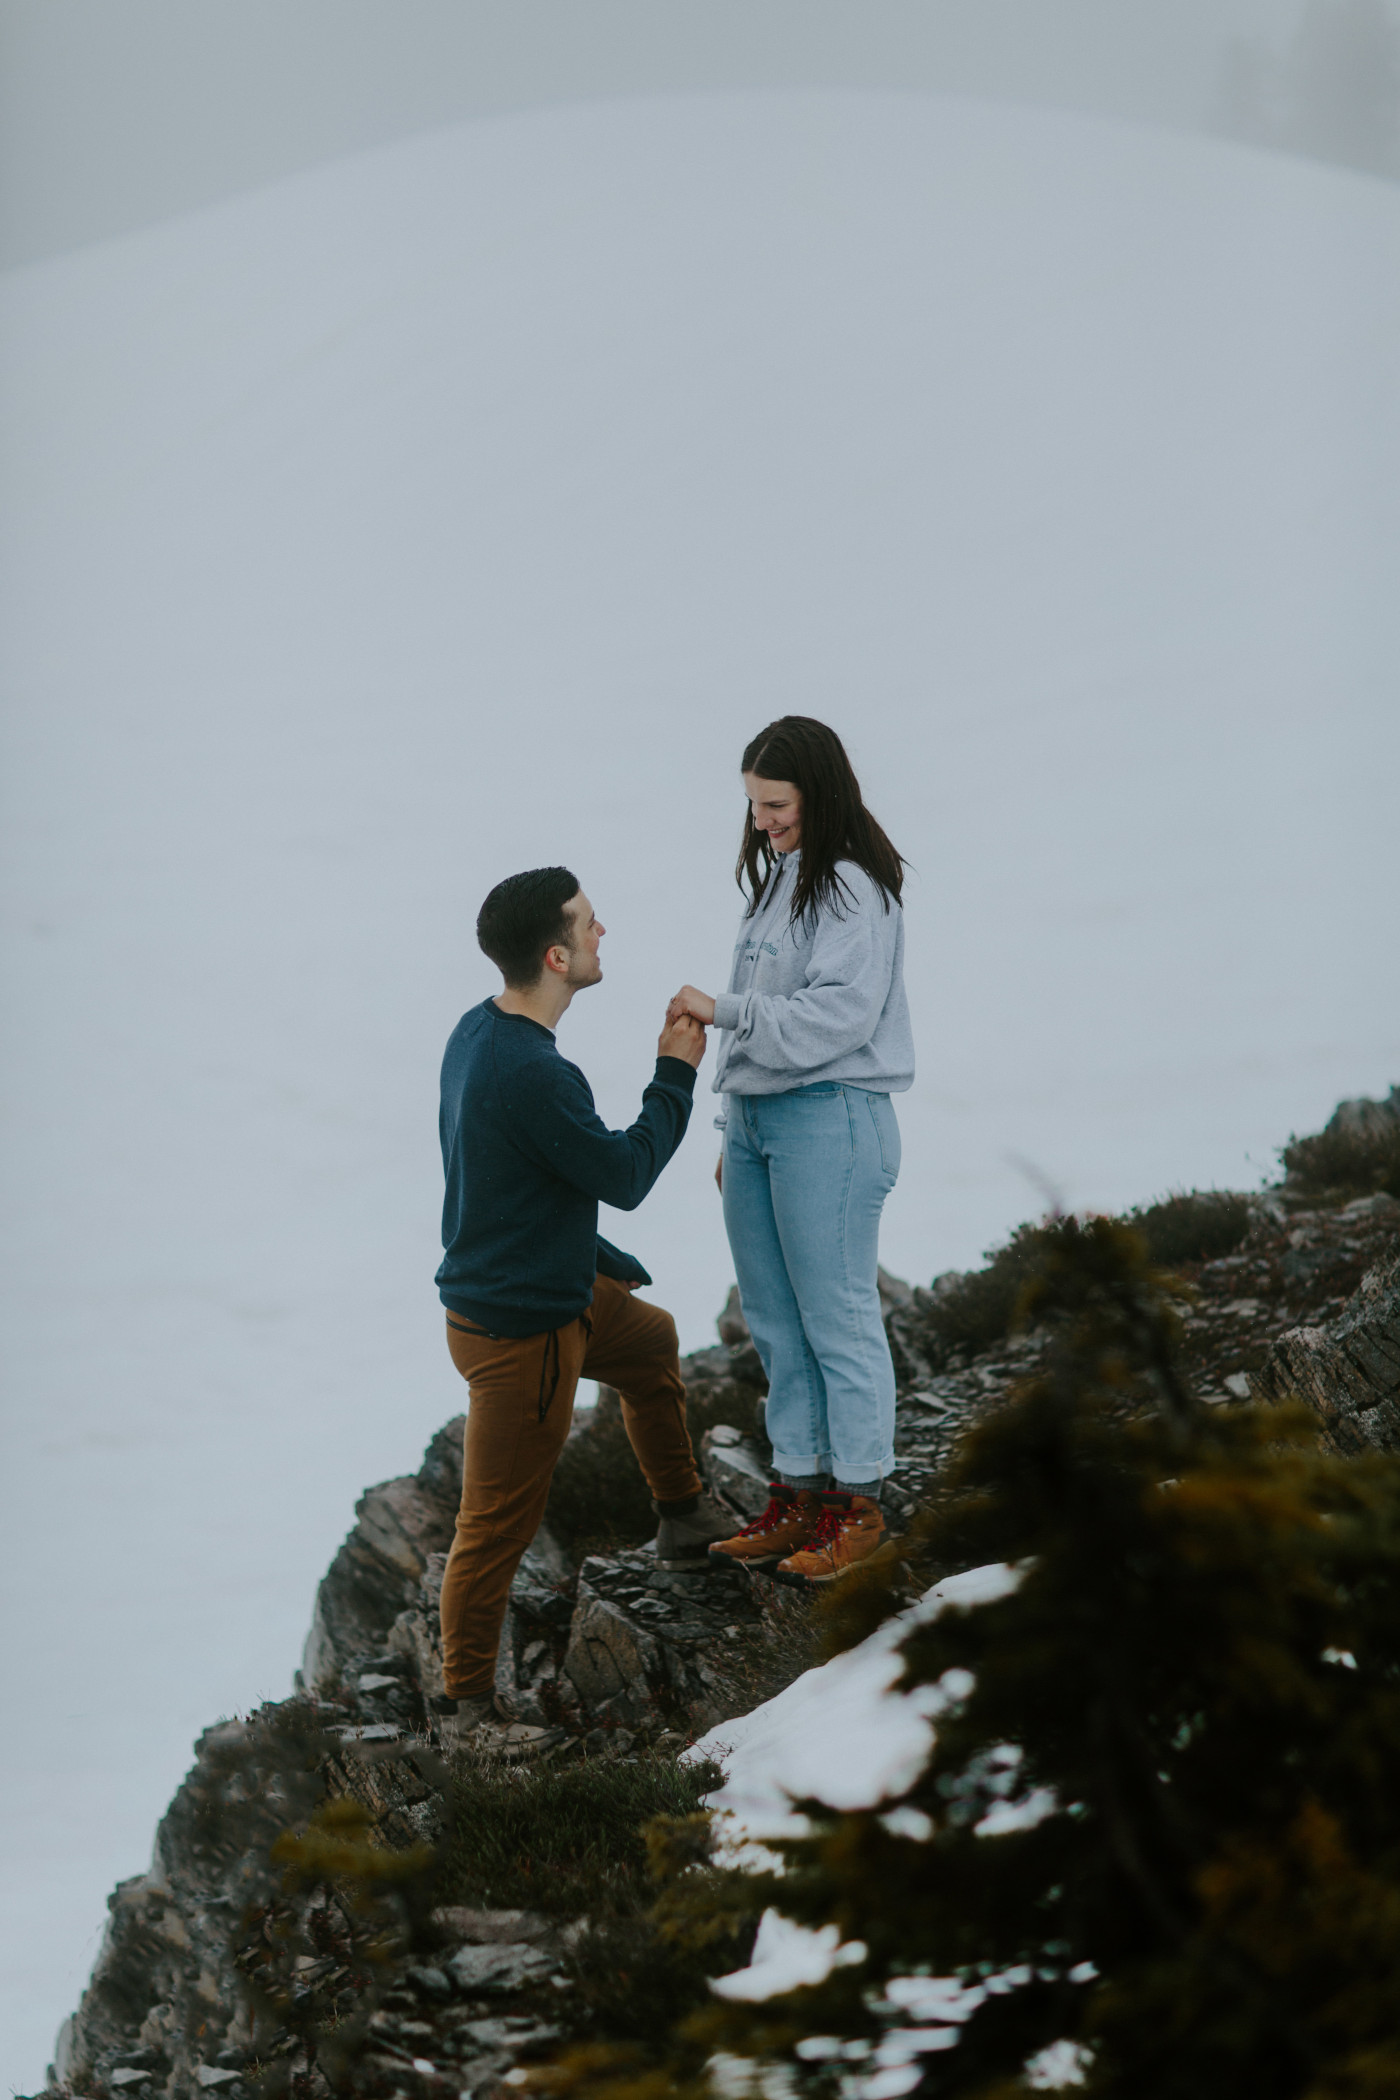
[[522, 1402]]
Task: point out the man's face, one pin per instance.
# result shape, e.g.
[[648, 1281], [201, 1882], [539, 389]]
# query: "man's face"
[[585, 932]]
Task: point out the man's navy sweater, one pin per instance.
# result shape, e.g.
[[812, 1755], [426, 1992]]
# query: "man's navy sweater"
[[528, 1160]]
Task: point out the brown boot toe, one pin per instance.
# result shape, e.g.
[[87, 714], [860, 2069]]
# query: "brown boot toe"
[[849, 1530], [783, 1527]]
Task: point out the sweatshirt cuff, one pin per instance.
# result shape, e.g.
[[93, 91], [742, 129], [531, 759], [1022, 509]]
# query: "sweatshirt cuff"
[[622, 1268], [728, 1009], [676, 1072]]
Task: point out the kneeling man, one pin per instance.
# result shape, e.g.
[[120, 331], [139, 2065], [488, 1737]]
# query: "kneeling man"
[[535, 1299]]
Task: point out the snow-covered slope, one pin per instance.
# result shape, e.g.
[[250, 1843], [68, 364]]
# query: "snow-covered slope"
[[468, 505]]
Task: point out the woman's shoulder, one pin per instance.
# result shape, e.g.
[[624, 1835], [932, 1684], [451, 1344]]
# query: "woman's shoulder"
[[858, 890]]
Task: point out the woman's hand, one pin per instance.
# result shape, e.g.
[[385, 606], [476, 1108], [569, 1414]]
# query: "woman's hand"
[[689, 1001], [719, 1173], [682, 1037]]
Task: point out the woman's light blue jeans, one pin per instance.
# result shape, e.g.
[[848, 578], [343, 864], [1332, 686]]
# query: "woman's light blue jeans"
[[805, 1178]]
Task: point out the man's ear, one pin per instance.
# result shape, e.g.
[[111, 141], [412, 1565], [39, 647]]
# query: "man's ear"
[[556, 959]]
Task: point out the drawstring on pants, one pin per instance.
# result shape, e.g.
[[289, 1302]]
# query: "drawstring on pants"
[[550, 1361], [546, 1398]]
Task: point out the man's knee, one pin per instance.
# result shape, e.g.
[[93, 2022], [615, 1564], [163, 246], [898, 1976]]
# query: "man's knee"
[[643, 1331]]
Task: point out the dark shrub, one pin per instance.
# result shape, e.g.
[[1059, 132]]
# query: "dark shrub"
[[975, 1311], [1198, 1225], [971, 1312], [1358, 1154], [599, 1499]]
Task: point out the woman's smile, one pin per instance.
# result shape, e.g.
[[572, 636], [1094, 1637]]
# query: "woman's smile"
[[776, 807]]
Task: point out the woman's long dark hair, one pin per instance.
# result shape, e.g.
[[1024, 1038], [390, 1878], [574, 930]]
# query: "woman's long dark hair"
[[836, 825]]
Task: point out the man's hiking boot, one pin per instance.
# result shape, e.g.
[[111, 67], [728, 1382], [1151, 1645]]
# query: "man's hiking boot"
[[784, 1527], [478, 1724], [848, 1531], [683, 1543]]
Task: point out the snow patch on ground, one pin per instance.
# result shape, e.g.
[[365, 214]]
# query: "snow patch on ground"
[[840, 1733], [787, 1955]]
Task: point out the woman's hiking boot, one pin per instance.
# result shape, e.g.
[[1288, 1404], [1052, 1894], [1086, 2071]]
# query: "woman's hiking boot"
[[683, 1541], [787, 1524], [848, 1530]]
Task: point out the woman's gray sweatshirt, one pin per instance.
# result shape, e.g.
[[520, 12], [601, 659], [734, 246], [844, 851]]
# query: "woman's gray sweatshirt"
[[816, 1001]]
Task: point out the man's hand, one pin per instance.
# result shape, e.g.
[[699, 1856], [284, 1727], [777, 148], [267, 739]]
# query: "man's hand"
[[719, 1173], [689, 1001], [682, 1037]]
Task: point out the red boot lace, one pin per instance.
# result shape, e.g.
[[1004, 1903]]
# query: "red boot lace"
[[827, 1529], [776, 1513]]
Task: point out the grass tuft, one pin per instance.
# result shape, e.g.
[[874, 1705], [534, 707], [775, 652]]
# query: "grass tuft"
[[758, 1661], [598, 1841], [564, 1839]]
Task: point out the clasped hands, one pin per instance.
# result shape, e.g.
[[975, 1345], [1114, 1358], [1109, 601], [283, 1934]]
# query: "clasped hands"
[[687, 1017]]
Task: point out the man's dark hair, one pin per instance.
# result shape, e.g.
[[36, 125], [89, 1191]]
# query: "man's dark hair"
[[522, 917]]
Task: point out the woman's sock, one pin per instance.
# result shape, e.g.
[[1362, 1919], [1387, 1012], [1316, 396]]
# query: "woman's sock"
[[815, 1481], [869, 1488]]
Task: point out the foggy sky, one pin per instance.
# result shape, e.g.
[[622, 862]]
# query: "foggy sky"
[[113, 116]]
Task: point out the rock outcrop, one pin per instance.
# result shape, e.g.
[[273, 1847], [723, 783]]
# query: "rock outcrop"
[[219, 1964], [400, 1527], [643, 1643], [1348, 1371], [213, 1962]]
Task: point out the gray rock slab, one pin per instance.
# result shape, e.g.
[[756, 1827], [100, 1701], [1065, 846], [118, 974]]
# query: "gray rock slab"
[[506, 1967], [733, 1327], [511, 2031], [492, 1927], [399, 1525], [735, 1469], [643, 1638], [428, 1978], [1348, 1371], [608, 1652]]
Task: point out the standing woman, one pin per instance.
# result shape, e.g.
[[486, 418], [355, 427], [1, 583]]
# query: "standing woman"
[[815, 1037]]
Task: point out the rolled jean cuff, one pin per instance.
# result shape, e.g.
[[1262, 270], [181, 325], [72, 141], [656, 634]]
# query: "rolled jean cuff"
[[864, 1468], [805, 1462]]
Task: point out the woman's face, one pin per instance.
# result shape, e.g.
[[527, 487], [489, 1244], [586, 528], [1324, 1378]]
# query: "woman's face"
[[777, 809]]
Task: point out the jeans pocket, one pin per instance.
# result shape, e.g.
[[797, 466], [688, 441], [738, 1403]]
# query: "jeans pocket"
[[886, 1124]]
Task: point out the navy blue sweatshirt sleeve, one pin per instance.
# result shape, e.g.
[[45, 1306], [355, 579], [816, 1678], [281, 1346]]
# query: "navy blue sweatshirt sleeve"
[[553, 1118], [525, 1161], [623, 1268]]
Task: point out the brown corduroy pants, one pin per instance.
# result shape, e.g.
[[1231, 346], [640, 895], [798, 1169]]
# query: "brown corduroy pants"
[[522, 1403]]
